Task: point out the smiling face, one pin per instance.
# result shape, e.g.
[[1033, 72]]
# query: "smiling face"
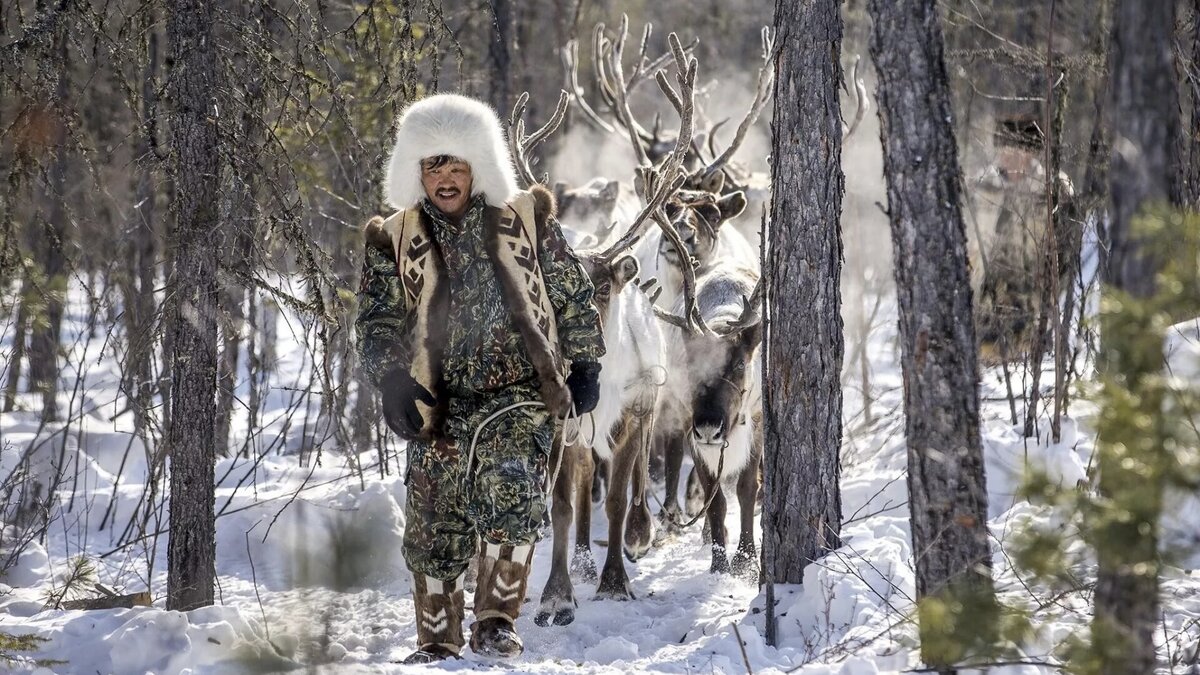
[[447, 183]]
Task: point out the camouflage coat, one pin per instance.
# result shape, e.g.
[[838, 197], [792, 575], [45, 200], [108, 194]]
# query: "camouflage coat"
[[456, 497], [482, 350]]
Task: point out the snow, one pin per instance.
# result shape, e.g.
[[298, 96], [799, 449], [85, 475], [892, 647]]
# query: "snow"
[[310, 572]]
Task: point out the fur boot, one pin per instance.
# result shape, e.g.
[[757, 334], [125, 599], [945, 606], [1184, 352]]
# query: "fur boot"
[[503, 579], [439, 609]]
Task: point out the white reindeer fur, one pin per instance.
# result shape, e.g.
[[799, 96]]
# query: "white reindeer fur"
[[634, 347], [449, 124], [596, 231], [732, 246], [719, 295]]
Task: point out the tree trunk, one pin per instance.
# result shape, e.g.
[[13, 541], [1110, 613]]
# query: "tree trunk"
[[947, 493], [1192, 198], [52, 281], [192, 545], [139, 245], [500, 55], [1144, 171], [802, 407], [18, 348]]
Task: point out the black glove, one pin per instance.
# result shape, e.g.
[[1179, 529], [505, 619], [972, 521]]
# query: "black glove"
[[584, 383], [400, 395]]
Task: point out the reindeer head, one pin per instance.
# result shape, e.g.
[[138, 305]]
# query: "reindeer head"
[[718, 352], [721, 366], [609, 278], [697, 217], [591, 208]]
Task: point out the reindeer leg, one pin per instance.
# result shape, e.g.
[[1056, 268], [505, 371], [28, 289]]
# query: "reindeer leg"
[[716, 519], [639, 526], [582, 563], [694, 494], [745, 561], [614, 582], [558, 597], [598, 478], [673, 450]]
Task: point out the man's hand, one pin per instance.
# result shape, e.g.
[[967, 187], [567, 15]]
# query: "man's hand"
[[400, 395], [584, 383]]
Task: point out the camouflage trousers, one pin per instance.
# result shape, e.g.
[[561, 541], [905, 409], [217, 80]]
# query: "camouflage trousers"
[[500, 498]]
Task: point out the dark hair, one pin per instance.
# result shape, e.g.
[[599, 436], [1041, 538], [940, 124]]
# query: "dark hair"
[[438, 161]]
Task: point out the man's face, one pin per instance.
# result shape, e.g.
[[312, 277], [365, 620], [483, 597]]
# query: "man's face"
[[448, 184]]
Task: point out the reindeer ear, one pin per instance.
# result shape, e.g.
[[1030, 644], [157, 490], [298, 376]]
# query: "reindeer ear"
[[610, 192], [625, 269], [713, 183], [732, 205], [752, 335]]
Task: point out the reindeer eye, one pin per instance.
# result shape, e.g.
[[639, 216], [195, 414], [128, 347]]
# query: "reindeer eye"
[[739, 367], [604, 291]]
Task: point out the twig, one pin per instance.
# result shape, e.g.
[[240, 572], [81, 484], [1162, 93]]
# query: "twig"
[[742, 647]]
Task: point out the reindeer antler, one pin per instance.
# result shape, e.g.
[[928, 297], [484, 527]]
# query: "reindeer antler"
[[766, 77], [659, 183], [521, 145], [751, 310], [607, 59], [570, 59]]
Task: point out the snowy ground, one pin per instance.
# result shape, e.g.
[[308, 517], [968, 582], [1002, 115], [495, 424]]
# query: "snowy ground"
[[310, 571]]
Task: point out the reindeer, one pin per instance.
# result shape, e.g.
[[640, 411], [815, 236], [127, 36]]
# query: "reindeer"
[[621, 426], [590, 213], [1009, 249], [715, 392], [619, 432]]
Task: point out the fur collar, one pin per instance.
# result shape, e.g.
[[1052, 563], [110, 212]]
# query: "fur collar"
[[376, 233]]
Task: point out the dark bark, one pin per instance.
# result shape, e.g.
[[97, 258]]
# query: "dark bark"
[[1192, 197], [1053, 265], [51, 284], [500, 55], [195, 170], [947, 492], [802, 405], [18, 349], [1144, 172], [140, 244]]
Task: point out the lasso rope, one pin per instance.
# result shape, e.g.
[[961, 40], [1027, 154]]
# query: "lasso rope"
[[468, 475]]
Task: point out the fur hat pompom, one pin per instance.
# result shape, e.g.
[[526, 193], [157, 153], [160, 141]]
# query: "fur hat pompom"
[[449, 124]]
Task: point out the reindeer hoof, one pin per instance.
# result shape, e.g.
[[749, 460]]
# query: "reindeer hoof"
[[618, 590], [745, 565], [639, 534], [614, 583], [583, 566], [563, 616], [720, 564], [557, 602]]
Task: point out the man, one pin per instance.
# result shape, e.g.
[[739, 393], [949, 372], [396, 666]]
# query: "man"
[[476, 323]]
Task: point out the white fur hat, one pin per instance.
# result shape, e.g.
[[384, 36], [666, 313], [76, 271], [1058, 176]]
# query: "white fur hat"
[[449, 124]]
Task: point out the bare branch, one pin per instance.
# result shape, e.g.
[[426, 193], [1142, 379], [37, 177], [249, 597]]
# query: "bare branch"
[[861, 102]]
